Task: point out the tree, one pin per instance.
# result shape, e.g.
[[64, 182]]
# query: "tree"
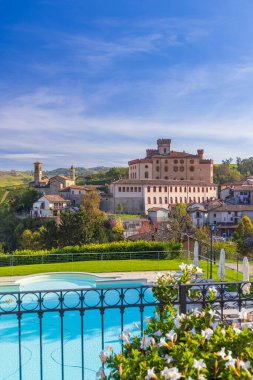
[[30, 240], [119, 208], [180, 221], [226, 172], [244, 235]]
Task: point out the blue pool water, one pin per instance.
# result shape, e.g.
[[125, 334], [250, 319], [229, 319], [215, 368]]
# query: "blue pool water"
[[51, 325]]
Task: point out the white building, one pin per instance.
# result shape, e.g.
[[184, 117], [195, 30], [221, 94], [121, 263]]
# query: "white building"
[[138, 196], [49, 206]]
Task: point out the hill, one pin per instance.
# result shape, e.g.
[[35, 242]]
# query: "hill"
[[14, 178]]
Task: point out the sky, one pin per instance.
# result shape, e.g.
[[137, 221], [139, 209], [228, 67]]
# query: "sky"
[[96, 82]]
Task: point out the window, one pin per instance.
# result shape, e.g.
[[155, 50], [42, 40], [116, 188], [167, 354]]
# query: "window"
[[171, 200], [181, 199], [148, 189], [123, 189], [165, 200], [154, 189], [175, 189], [157, 168], [185, 189], [214, 215], [198, 189], [146, 174], [127, 189], [190, 189], [139, 189], [190, 200], [157, 161], [146, 166], [175, 199], [191, 168], [199, 199], [166, 177], [165, 188], [120, 189], [135, 189], [131, 189], [203, 189], [191, 161], [166, 168], [149, 200], [194, 189], [181, 161], [175, 169], [180, 189], [203, 199], [175, 161], [181, 168], [185, 200], [166, 161], [160, 200], [164, 150], [160, 189], [170, 188], [154, 200]]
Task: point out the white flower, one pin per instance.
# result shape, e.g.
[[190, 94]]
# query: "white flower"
[[207, 333], [222, 353], [125, 337], [212, 313], [201, 377], [177, 322], [151, 374], [199, 364], [103, 356], [171, 335], [196, 312], [237, 330], [168, 359], [193, 331], [183, 266], [171, 373], [223, 331], [145, 342], [163, 342], [136, 325], [245, 365], [158, 333], [243, 314], [213, 291], [147, 319], [198, 270], [230, 360]]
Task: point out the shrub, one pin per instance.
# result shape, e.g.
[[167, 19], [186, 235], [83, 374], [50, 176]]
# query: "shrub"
[[182, 346]]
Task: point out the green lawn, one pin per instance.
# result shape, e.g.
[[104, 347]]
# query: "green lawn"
[[110, 266]]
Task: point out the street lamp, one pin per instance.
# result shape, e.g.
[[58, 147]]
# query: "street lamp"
[[212, 227]]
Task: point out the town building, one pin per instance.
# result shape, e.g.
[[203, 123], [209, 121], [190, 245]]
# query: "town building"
[[49, 206], [75, 193], [138, 196], [241, 193], [165, 164], [52, 185]]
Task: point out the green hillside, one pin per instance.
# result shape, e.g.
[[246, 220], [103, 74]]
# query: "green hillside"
[[14, 178]]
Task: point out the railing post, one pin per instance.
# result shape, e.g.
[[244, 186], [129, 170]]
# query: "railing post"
[[182, 298]]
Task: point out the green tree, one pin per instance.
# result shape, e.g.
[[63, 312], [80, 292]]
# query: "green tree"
[[243, 235], [180, 221], [119, 208], [226, 172]]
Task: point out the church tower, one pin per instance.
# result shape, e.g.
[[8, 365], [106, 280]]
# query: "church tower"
[[37, 173], [73, 173]]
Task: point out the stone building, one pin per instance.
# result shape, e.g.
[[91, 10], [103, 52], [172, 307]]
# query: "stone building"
[[164, 163], [52, 185]]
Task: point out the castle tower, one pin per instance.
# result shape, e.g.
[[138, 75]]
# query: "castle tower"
[[37, 173], [73, 173], [163, 146]]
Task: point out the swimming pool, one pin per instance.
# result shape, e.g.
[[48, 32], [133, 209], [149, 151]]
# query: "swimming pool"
[[59, 334]]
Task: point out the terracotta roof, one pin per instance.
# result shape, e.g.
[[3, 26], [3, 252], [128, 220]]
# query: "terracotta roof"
[[61, 178], [55, 198], [79, 187], [229, 207], [244, 188]]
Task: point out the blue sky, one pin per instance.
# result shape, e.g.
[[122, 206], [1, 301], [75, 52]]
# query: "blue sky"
[[95, 82]]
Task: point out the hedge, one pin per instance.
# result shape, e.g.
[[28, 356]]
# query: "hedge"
[[108, 251]]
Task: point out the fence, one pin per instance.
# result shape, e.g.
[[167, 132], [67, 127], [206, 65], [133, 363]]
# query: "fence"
[[64, 330]]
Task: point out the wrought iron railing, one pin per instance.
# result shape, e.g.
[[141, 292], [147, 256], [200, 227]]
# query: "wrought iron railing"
[[110, 306]]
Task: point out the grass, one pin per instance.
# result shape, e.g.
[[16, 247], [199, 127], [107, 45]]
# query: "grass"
[[127, 216], [110, 266], [13, 178]]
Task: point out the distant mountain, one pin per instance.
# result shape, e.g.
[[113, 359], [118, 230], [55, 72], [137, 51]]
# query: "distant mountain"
[[80, 171]]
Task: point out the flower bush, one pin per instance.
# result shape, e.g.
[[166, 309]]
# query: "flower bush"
[[191, 346]]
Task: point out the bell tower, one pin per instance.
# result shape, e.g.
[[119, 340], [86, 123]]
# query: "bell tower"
[[37, 173], [73, 173]]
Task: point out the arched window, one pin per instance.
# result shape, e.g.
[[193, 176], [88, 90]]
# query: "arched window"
[[154, 200], [149, 200]]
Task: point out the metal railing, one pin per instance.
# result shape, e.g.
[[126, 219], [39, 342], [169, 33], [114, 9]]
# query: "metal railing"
[[71, 308]]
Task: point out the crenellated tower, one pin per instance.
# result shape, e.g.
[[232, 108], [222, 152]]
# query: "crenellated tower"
[[37, 173]]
